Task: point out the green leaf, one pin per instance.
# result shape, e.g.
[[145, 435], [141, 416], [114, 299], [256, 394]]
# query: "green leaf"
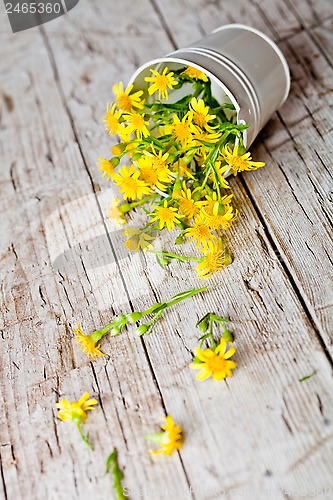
[[228, 336], [156, 308], [219, 319], [203, 320], [161, 260], [184, 295], [113, 467], [308, 376]]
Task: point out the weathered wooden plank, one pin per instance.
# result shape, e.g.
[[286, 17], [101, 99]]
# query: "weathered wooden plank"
[[324, 37], [311, 75], [277, 344], [309, 12], [38, 306]]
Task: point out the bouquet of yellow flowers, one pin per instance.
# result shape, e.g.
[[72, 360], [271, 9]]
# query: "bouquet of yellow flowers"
[[180, 153]]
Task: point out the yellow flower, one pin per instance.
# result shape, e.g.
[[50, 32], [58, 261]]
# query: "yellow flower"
[[138, 239], [239, 163], [117, 149], [138, 124], [214, 363], [154, 169], [114, 212], [195, 73], [130, 185], [187, 205], [217, 219], [166, 216], [201, 115], [161, 83], [106, 167], [158, 161], [125, 135], [181, 130], [200, 231], [171, 439], [88, 343], [215, 258], [125, 100], [76, 411], [112, 119]]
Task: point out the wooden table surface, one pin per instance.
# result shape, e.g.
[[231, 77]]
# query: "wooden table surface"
[[263, 433]]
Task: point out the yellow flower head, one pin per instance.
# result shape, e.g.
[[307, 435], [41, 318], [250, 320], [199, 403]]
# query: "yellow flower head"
[[76, 411], [137, 124], [125, 100], [195, 73], [221, 216], [214, 363], [138, 239], [130, 185], [166, 216], [215, 258], [117, 149], [89, 345], [106, 167], [181, 129], [187, 205], [158, 161], [112, 119], [161, 83], [239, 163], [154, 169], [200, 231], [171, 439], [114, 213], [201, 115]]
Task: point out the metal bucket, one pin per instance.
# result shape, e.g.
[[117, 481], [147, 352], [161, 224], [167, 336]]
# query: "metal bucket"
[[246, 69]]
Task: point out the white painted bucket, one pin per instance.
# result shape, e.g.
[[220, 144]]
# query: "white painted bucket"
[[246, 69]]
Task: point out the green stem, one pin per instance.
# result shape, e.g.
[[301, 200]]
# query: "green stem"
[[169, 255], [211, 333], [84, 438], [126, 207], [184, 295]]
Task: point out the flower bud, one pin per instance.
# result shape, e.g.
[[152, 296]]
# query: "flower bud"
[[115, 161], [135, 316], [203, 326], [180, 239], [136, 156], [118, 149], [187, 159], [142, 329], [115, 331]]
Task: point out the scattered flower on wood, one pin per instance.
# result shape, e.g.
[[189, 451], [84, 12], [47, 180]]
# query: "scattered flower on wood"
[[179, 154], [77, 412], [90, 343], [170, 439], [214, 361]]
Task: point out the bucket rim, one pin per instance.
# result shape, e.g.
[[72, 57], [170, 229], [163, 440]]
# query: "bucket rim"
[[170, 57], [271, 43]]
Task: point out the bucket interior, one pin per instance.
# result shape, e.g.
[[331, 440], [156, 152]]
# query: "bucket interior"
[[219, 91]]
